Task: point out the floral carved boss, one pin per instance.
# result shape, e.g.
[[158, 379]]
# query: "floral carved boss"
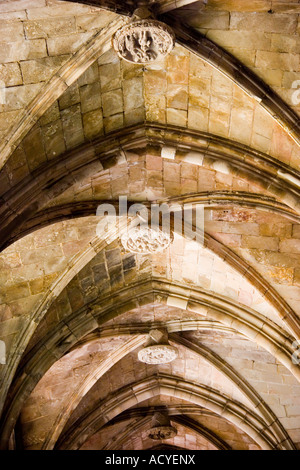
[[144, 41]]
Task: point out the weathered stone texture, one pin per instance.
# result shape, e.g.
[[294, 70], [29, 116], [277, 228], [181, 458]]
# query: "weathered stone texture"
[[76, 308]]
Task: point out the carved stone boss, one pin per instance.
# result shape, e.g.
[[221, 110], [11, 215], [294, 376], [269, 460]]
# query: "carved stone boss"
[[144, 41]]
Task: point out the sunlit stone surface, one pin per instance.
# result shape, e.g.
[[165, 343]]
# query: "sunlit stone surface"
[[144, 41], [81, 127], [162, 432], [161, 427]]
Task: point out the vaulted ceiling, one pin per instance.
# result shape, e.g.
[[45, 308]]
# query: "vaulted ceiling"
[[79, 127]]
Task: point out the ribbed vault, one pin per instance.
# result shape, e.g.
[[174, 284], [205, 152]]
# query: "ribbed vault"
[[215, 125]]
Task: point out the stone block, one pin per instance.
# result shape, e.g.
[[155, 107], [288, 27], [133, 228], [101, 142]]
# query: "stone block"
[[113, 123], [100, 273], [22, 50], [10, 75], [233, 227], [154, 179], [199, 92], [198, 118], [110, 76], [272, 77], [296, 231], [262, 123], [260, 142], [16, 5], [155, 108], [240, 185], [135, 116], [171, 171], [12, 31], [221, 85], [70, 44], [70, 97], [218, 20], [247, 57], [54, 9], [176, 77], [177, 117], [15, 292], [33, 147], [94, 21], [261, 243], [178, 60], [206, 180], [13, 15], [72, 126], [188, 186], [52, 114], [18, 159], [39, 285], [219, 123], [281, 260], [53, 139], [277, 60], [229, 239], [189, 171], [133, 94], [177, 97], [91, 75], [241, 39], [155, 82], [129, 70], [290, 246], [36, 256], [276, 230], [20, 97], [281, 43], [241, 125]]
